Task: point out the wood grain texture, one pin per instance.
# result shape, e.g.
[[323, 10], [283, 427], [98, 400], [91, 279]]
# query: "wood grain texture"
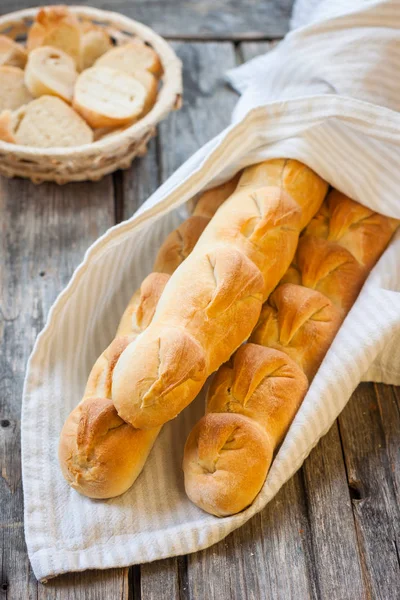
[[45, 232], [388, 398], [334, 539], [376, 511], [110, 584], [196, 19], [207, 103], [249, 50], [271, 556], [136, 184], [160, 579]]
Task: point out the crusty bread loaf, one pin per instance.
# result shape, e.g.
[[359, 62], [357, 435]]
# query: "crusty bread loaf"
[[13, 92], [45, 123], [210, 201], [95, 42], [239, 259], [108, 98], [50, 71], [56, 26], [254, 397], [11, 53], [131, 57], [101, 455]]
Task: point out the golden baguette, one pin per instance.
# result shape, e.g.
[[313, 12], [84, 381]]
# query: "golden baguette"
[[100, 455], [254, 397]]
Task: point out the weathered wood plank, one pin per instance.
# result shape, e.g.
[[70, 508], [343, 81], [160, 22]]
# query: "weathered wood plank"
[[160, 579], [249, 50], [140, 181], [207, 102], [376, 511], [91, 585], [196, 19], [45, 233], [334, 539], [269, 557], [388, 398]]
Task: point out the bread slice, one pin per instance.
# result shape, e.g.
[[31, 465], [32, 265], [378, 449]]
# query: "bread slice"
[[46, 122], [150, 84], [11, 53], [133, 56], [50, 71], [95, 42], [108, 98], [56, 26], [13, 92]]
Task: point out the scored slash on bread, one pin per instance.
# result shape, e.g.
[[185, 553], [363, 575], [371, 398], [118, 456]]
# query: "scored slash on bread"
[[45, 123], [50, 71], [11, 53], [106, 97], [13, 91], [56, 26], [131, 57]]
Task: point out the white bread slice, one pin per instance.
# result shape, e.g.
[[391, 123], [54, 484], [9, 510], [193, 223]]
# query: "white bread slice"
[[46, 122], [13, 92], [11, 53], [94, 43], [108, 98], [56, 26], [150, 84], [50, 71], [132, 56]]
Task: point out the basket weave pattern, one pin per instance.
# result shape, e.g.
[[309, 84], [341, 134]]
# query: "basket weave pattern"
[[93, 161]]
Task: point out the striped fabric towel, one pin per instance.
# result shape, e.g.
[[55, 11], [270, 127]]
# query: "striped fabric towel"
[[327, 96]]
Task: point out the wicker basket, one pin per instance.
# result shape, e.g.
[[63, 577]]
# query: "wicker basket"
[[93, 161]]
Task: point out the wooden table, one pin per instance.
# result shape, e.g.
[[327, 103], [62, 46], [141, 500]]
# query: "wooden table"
[[333, 532]]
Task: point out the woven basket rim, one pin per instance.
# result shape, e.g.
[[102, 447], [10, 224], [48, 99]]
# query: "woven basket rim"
[[167, 99]]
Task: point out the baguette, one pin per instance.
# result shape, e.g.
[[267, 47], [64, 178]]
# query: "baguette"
[[56, 26], [11, 53], [239, 259], [101, 455], [13, 91], [132, 57], [45, 123], [50, 71], [255, 396], [108, 98]]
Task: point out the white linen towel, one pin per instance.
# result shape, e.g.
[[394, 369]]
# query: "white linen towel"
[[315, 98]]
